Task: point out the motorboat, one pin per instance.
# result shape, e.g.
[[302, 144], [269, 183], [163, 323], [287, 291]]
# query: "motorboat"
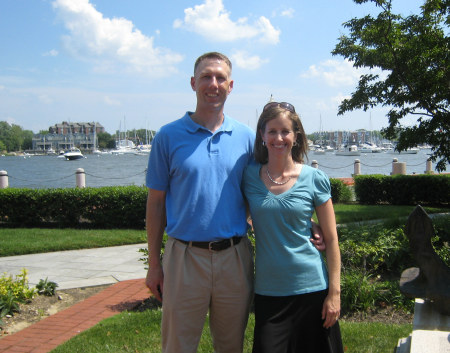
[[143, 150], [365, 148], [369, 148], [412, 150], [319, 151], [351, 150], [124, 147], [51, 152], [73, 154]]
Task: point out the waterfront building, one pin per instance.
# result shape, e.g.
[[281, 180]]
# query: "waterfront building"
[[66, 135]]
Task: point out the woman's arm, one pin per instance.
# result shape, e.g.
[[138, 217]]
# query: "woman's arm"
[[332, 305]]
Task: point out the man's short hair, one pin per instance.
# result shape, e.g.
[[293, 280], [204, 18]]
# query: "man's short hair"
[[212, 55]]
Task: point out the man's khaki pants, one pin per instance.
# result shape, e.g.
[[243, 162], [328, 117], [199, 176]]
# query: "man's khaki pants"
[[197, 280]]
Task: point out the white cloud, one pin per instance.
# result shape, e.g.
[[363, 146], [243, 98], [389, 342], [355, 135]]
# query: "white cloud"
[[112, 44], [52, 52], [339, 98], [211, 20], [44, 98], [244, 60], [287, 13], [335, 73], [110, 101], [338, 73]]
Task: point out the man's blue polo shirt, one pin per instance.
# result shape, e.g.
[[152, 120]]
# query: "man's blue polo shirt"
[[201, 173]]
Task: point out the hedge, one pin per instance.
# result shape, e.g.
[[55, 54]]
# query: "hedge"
[[425, 189], [104, 208], [101, 208]]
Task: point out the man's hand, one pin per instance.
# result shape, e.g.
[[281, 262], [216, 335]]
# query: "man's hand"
[[155, 282], [317, 237]]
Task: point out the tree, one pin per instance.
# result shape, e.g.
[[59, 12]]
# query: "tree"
[[414, 54], [14, 138], [105, 140]]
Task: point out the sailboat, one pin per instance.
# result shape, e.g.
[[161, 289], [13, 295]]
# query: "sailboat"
[[318, 148], [123, 146], [144, 150], [95, 149]]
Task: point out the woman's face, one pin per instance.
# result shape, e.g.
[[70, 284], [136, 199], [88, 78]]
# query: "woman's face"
[[279, 136]]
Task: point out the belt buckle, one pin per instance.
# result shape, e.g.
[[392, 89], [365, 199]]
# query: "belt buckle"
[[210, 244]]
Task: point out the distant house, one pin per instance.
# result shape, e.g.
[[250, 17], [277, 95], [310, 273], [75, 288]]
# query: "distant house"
[[65, 135], [66, 128]]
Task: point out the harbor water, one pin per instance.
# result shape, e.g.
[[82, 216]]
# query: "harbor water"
[[129, 169]]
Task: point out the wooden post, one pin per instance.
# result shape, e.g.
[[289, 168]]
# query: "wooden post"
[[81, 178], [314, 164], [429, 166], [3, 179], [398, 167], [357, 167]]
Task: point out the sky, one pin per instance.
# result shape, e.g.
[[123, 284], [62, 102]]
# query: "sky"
[[127, 64]]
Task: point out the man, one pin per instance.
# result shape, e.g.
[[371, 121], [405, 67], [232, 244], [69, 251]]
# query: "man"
[[194, 179]]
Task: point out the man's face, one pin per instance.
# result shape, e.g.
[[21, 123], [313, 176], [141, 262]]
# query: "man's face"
[[212, 83]]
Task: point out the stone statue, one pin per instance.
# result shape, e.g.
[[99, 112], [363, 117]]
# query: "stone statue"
[[431, 281]]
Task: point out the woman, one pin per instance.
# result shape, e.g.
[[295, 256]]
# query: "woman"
[[297, 302]]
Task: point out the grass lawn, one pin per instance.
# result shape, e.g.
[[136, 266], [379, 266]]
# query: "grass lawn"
[[140, 332], [21, 241]]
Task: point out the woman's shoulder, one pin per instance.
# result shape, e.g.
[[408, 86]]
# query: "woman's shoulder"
[[314, 174], [314, 171]]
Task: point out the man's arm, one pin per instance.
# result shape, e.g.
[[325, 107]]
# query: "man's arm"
[[317, 236], [155, 223]]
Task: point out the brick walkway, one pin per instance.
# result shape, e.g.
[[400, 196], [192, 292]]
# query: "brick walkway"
[[54, 330]]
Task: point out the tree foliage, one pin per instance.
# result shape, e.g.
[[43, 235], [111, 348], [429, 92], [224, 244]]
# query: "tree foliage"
[[14, 138], [413, 53]]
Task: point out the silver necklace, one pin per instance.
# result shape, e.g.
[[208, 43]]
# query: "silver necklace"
[[276, 182]]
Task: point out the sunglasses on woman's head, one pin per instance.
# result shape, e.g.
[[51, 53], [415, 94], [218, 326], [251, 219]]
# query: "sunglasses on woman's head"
[[284, 105]]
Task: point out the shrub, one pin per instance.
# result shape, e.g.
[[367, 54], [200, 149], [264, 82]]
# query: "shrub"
[[358, 291], [14, 291], [374, 248], [339, 191], [101, 208], [403, 189], [46, 287]]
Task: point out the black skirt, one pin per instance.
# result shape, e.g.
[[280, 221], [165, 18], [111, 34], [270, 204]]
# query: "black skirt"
[[293, 324]]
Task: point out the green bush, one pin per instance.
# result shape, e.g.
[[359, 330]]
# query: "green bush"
[[423, 189], [46, 287], [101, 208], [374, 248], [369, 189], [373, 258], [339, 191], [358, 291], [14, 291], [363, 292]]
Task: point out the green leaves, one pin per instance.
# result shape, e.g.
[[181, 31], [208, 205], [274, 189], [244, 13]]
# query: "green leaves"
[[46, 287], [413, 53], [14, 291]]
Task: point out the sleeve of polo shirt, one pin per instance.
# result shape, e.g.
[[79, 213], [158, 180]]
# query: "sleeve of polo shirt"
[[158, 163], [322, 188]]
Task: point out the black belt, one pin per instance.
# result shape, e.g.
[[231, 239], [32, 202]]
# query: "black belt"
[[214, 245]]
